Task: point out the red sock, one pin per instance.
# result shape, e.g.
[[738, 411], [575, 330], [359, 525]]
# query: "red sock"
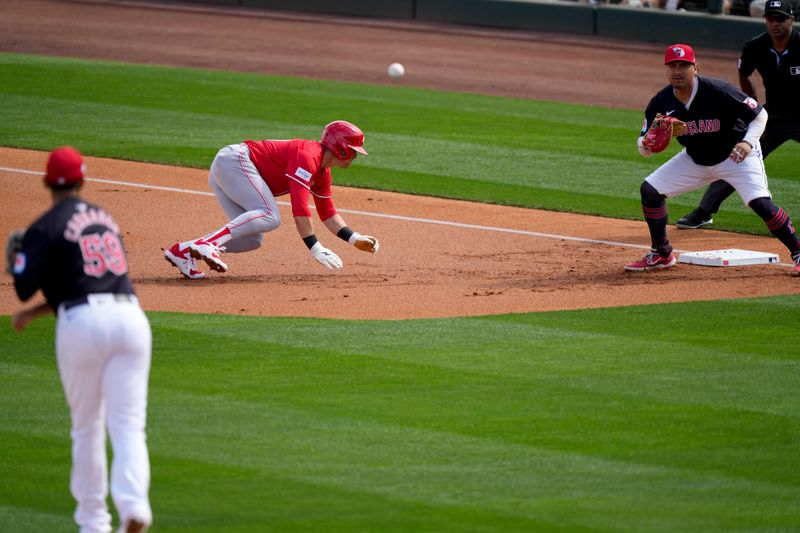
[[219, 238]]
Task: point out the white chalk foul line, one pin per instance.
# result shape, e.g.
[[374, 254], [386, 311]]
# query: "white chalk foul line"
[[377, 215], [493, 228]]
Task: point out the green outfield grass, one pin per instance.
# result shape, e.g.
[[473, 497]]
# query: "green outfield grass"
[[628, 419], [509, 151], [679, 417]]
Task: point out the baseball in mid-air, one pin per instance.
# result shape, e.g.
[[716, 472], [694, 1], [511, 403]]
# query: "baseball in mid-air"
[[396, 70]]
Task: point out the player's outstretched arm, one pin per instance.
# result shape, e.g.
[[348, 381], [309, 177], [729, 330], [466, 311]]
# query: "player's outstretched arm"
[[365, 243], [322, 255]]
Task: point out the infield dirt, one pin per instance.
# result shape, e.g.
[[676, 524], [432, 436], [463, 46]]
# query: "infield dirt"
[[462, 259]]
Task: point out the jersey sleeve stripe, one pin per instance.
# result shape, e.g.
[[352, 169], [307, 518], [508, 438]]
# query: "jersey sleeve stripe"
[[301, 182], [298, 178]]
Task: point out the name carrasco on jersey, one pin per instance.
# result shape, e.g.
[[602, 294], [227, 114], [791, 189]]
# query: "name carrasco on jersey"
[[84, 217]]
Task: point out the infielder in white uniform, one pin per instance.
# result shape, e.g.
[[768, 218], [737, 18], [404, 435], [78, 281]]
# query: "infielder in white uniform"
[[723, 127], [74, 254]]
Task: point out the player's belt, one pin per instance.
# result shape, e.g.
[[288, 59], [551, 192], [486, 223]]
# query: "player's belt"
[[98, 298]]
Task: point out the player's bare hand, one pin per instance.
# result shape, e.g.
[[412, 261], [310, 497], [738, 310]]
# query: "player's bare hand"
[[325, 257], [740, 151], [365, 243], [21, 319]]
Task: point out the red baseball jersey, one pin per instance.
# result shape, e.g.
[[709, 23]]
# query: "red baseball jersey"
[[295, 167]]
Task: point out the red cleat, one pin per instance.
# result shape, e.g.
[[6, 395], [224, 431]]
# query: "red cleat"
[[652, 261]]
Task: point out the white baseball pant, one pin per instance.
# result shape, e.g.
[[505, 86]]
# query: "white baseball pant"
[[244, 196], [681, 174], [103, 350]]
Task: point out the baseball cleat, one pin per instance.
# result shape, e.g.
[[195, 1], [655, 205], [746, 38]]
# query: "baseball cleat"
[[651, 261], [183, 261], [209, 253], [796, 259], [134, 525], [694, 220]]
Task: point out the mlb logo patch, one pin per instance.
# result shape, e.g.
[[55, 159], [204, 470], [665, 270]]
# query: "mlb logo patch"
[[774, 3], [19, 263], [749, 102], [794, 71], [302, 173]]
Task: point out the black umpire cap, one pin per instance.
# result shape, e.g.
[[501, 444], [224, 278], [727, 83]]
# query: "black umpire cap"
[[778, 7]]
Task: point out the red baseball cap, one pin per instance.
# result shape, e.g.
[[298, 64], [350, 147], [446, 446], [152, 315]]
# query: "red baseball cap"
[[679, 52], [65, 168]]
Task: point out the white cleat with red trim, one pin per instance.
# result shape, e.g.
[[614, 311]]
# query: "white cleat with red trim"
[[209, 253], [183, 261]]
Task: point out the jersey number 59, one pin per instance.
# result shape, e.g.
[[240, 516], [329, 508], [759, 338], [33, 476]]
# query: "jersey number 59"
[[102, 253]]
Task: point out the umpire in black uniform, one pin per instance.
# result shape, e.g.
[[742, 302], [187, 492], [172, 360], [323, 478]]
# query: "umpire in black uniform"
[[775, 54]]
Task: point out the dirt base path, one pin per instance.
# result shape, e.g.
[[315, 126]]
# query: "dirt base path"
[[451, 263], [436, 260]]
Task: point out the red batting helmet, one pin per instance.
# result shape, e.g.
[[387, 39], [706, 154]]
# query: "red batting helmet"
[[65, 168], [342, 138]]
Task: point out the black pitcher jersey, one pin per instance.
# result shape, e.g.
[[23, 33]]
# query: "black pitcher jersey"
[[716, 119], [74, 249]]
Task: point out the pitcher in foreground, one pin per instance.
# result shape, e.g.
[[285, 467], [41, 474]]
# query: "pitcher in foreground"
[[73, 253]]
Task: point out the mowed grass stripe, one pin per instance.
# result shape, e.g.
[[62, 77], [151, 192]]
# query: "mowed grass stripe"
[[508, 151], [624, 419], [616, 419]]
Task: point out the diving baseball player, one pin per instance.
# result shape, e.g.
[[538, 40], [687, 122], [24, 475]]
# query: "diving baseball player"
[[74, 254], [723, 126], [247, 177]]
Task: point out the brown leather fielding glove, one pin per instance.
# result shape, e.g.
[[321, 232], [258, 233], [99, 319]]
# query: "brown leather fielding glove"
[[662, 131]]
